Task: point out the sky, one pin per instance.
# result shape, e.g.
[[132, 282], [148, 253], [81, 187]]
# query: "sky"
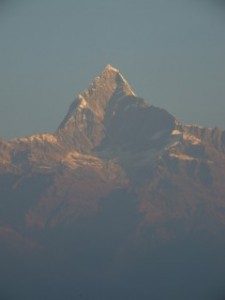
[[171, 52]]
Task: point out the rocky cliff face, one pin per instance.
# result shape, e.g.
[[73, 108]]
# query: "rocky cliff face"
[[85, 123], [110, 139], [118, 178]]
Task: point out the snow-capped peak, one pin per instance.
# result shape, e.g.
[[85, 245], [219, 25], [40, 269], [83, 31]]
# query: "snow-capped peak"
[[110, 68], [109, 83], [103, 94]]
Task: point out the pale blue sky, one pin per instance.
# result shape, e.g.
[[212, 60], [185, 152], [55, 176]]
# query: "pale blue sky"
[[172, 52]]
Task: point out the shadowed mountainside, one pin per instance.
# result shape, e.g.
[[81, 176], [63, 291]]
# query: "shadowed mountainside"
[[122, 201]]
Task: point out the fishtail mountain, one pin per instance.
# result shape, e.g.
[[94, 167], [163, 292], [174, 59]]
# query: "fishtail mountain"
[[122, 201]]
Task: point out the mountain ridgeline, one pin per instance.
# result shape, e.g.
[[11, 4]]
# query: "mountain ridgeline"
[[123, 201]]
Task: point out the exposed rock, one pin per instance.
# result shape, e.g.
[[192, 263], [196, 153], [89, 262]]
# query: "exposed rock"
[[118, 179]]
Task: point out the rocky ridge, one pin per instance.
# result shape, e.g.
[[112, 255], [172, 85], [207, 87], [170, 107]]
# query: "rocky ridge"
[[114, 139], [120, 183]]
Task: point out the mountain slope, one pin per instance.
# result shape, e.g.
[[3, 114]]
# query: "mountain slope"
[[111, 138], [117, 183]]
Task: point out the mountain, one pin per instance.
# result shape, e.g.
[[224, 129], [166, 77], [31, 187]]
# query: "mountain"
[[123, 201]]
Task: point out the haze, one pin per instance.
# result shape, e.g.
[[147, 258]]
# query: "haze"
[[172, 53]]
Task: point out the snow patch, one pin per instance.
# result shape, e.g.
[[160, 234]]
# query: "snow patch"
[[191, 138], [83, 103], [181, 156], [127, 84], [41, 138], [172, 145], [75, 160], [176, 132], [111, 68]]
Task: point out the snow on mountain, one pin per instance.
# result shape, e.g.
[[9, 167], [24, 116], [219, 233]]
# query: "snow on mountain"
[[119, 196]]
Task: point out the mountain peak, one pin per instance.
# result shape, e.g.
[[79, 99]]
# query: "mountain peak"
[[87, 114], [110, 68], [113, 76], [110, 86]]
